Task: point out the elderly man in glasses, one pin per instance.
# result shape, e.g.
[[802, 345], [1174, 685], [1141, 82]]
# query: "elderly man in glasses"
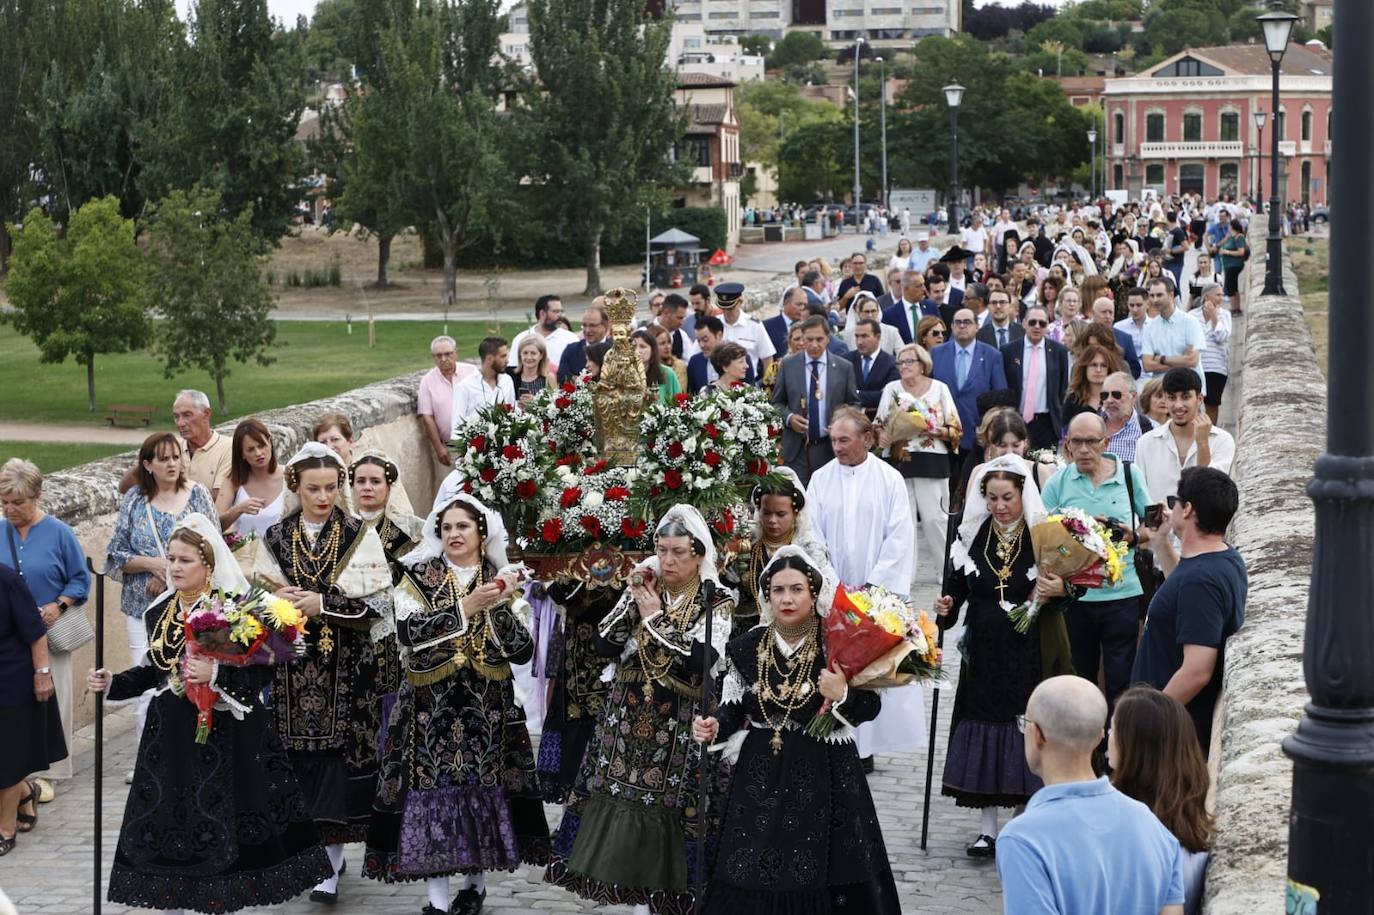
[[1124, 425], [1104, 623], [1037, 371]]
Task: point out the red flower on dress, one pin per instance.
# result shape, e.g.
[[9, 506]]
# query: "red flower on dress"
[[675, 450], [512, 452], [488, 474], [591, 524], [672, 479], [632, 529], [712, 458], [478, 443], [617, 494], [570, 497], [526, 489], [553, 530]]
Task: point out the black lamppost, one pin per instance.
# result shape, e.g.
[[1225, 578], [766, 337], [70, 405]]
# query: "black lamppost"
[[1331, 822], [882, 121], [1277, 27], [954, 94], [1260, 117], [1092, 164], [858, 200]]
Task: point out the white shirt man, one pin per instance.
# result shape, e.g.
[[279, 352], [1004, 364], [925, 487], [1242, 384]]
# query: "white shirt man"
[[924, 254], [1174, 339], [1134, 323], [547, 313], [1000, 229], [750, 334], [976, 237], [489, 385]]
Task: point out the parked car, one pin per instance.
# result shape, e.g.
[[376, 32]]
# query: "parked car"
[[1320, 214]]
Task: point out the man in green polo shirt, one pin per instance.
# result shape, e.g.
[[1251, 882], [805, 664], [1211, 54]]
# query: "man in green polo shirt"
[[1104, 622]]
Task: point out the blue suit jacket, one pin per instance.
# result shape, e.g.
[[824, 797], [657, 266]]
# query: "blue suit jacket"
[[572, 362], [698, 378], [985, 373], [777, 332], [897, 317], [1127, 345], [884, 370]]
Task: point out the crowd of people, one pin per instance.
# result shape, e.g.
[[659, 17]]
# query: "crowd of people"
[[1064, 366]]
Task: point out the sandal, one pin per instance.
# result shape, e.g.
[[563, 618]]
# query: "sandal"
[[7, 844], [27, 821]]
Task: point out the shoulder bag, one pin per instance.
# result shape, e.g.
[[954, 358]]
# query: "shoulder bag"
[[1144, 558], [72, 629]]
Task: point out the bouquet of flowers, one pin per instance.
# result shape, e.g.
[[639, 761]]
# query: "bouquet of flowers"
[[752, 422], [1046, 456], [914, 418], [245, 550], [568, 413], [589, 507], [1078, 548], [242, 630], [877, 641], [688, 456], [497, 450]]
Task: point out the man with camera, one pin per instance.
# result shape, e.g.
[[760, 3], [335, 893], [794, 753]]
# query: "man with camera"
[[1104, 622]]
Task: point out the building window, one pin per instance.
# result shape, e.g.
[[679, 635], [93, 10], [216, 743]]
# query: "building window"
[[1119, 127], [695, 151], [689, 17], [1188, 66], [927, 11], [1192, 127], [841, 14], [1192, 178], [1280, 126], [1154, 128], [1307, 126], [1230, 126], [1229, 175], [730, 15], [691, 42], [886, 34], [1154, 175], [1117, 177], [886, 11], [767, 14]]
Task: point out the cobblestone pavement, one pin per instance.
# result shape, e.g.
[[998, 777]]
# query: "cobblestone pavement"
[[50, 871]]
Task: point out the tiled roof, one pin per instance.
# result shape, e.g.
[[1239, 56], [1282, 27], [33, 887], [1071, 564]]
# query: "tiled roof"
[[693, 79], [707, 117], [1253, 60]]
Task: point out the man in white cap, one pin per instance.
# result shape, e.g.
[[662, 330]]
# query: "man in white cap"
[[925, 254]]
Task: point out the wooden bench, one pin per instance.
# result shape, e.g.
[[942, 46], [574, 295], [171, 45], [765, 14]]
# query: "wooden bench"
[[122, 414]]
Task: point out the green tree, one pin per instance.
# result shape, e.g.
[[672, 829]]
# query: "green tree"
[[816, 163], [757, 45], [233, 102], [769, 111], [603, 120], [797, 48], [207, 280], [1172, 25], [83, 294], [23, 50], [1061, 29]]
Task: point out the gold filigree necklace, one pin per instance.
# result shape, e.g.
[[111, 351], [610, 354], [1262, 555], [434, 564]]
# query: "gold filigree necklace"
[[324, 560], [1008, 551], [794, 684]]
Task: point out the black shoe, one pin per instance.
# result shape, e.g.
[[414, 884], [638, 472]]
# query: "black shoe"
[[431, 910], [324, 897], [982, 847], [468, 902], [866, 763]]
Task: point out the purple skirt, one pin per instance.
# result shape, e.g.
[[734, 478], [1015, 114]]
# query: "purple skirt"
[[985, 766]]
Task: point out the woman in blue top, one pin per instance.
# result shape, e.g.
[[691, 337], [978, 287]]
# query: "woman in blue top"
[[137, 554], [45, 552]]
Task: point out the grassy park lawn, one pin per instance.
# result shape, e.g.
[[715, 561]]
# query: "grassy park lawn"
[[50, 456], [313, 360], [1311, 263]]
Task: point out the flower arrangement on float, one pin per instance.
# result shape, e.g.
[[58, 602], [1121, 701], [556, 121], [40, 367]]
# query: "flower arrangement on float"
[[498, 452], [752, 423], [568, 413], [591, 505]]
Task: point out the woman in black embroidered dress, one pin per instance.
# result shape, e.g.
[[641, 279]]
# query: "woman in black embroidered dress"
[[801, 835], [631, 832], [457, 793], [379, 499], [222, 825], [328, 705], [993, 564]]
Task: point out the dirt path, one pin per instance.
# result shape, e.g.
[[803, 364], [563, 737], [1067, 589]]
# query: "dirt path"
[[88, 434]]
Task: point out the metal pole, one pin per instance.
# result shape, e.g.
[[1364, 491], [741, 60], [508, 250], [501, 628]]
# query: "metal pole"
[[97, 883], [1273, 266], [882, 120], [708, 596], [1259, 171], [1092, 169], [857, 191], [1331, 821], [953, 171]]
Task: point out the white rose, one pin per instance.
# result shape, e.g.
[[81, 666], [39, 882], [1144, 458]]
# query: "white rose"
[[592, 500], [690, 445]]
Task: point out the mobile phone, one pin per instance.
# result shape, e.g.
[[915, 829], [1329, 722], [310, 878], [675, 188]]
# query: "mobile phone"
[[1154, 516]]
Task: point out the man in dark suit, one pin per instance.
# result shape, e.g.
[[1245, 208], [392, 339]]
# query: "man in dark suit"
[[793, 310], [943, 295], [1104, 313], [1037, 371], [968, 368], [811, 385], [873, 368], [906, 314], [596, 324], [700, 370], [1000, 330]]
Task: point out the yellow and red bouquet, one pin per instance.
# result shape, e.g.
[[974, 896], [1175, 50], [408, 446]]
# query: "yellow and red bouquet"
[[1079, 549]]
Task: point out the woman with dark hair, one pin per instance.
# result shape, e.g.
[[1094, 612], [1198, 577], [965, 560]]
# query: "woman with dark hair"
[[457, 792], [1153, 750], [801, 835], [328, 704], [256, 495], [211, 827], [731, 362], [380, 501], [992, 561], [902, 259], [632, 828], [1090, 371], [658, 378], [931, 332], [596, 357], [137, 553], [665, 354]]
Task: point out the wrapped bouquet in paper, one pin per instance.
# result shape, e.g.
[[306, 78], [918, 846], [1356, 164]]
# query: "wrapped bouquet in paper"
[[1076, 547], [878, 641], [241, 630], [913, 419]]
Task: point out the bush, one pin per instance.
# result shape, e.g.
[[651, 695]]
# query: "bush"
[[335, 272]]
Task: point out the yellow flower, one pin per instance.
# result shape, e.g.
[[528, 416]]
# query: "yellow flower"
[[245, 629], [282, 614], [861, 603], [890, 622]]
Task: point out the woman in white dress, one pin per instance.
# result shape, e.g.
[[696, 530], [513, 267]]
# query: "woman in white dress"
[[256, 495]]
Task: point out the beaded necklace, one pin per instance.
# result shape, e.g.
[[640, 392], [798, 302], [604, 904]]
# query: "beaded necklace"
[[323, 568], [169, 635], [794, 686], [679, 606]]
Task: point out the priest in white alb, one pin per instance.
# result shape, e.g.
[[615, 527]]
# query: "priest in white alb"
[[859, 508]]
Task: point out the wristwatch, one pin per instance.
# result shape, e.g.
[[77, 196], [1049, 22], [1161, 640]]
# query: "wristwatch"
[[42, 670], [62, 602]]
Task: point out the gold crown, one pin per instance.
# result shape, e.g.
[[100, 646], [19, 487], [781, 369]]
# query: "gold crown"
[[620, 304]]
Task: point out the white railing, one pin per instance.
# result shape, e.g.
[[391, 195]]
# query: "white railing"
[[1206, 150]]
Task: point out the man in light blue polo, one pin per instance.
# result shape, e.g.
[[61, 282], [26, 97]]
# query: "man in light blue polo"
[[1174, 338], [1082, 847]]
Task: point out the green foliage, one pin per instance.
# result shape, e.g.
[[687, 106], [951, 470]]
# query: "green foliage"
[[207, 281], [83, 294], [816, 162], [1060, 28], [756, 45], [602, 120], [1105, 10], [767, 105], [23, 47], [797, 48]]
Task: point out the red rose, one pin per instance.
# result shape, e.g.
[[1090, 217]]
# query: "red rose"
[[712, 458], [598, 467], [632, 529], [758, 467], [571, 496], [682, 398], [478, 443], [569, 387], [725, 523], [710, 430], [617, 494], [512, 453], [772, 431], [655, 491], [591, 524], [672, 479], [562, 403], [526, 489], [467, 487], [507, 407], [553, 530], [675, 450], [488, 474]]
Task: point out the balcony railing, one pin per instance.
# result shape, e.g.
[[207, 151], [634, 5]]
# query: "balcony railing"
[[1217, 149]]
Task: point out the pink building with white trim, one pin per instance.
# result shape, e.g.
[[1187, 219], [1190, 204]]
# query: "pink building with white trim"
[[1186, 125]]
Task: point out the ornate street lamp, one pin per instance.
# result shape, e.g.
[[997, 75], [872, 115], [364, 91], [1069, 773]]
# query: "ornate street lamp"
[[1331, 821], [1092, 163], [1278, 26], [1260, 117], [954, 95]]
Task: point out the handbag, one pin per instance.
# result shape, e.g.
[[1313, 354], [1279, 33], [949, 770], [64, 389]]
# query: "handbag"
[[1150, 577], [72, 629]]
